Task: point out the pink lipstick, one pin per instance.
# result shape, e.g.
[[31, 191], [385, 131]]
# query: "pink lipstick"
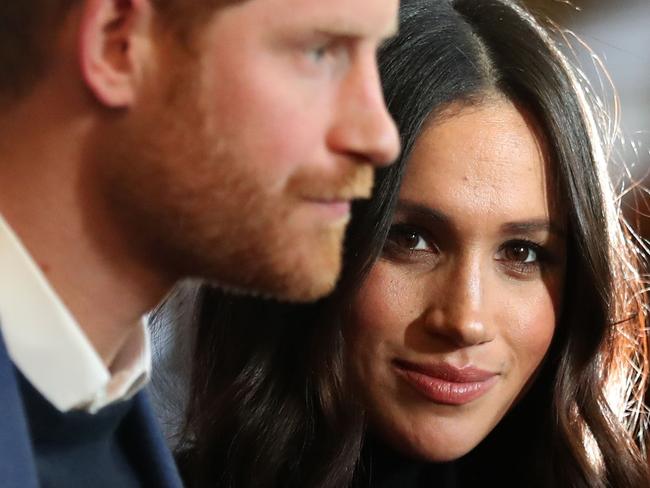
[[446, 384]]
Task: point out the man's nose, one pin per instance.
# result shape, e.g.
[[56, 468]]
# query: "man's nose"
[[363, 126]]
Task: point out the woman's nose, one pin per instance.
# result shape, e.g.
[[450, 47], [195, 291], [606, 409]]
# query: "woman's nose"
[[458, 311]]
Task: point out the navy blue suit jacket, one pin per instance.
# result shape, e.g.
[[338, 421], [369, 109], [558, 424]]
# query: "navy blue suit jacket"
[[145, 445]]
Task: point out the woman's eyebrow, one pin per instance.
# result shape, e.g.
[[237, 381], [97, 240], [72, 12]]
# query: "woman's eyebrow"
[[421, 211], [533, 225]]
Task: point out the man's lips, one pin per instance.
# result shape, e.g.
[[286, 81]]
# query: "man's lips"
[[333, 208], [446, 384]]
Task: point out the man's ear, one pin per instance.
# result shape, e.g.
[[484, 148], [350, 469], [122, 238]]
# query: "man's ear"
[[114, 44]]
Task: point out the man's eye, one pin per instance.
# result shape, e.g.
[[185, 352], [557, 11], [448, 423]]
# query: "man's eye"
[[322, 51], [318, 53]]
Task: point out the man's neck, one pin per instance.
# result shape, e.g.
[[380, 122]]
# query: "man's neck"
[[69, 234]]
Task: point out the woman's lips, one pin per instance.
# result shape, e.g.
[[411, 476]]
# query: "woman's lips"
[[446, 384]]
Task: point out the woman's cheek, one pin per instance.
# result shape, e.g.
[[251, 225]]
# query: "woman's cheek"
[[383, 304], [530, 339]]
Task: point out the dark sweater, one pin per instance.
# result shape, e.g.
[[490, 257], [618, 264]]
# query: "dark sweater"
[[77, 449], [383, 467], [506, 459]]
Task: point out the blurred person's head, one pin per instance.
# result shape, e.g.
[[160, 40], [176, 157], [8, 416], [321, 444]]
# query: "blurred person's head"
[[218, 139]]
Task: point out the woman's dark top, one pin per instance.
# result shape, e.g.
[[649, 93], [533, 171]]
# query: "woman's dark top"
[[383, 467], [485, 466]]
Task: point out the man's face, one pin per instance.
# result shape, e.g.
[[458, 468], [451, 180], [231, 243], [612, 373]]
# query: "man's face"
[[241, 156]]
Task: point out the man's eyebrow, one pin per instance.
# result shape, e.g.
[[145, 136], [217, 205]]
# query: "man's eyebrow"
[[388, 35], [344, 27], [390, 32], [533, 225]]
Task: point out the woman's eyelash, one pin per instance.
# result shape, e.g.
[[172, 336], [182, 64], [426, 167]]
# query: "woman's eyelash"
[[524, 256], [519, 257], [409, 238]]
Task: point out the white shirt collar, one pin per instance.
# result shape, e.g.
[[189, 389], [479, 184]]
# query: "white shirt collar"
[[49, 347]]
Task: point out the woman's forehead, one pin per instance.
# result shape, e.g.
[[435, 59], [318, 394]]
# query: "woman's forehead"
[[487, 157]]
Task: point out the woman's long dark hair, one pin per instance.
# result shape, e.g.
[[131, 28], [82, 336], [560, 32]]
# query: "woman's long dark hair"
[[270, 405]]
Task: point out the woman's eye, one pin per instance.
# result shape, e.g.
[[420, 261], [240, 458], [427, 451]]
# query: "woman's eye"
[[519, 253], [522, 258], [407, 238]]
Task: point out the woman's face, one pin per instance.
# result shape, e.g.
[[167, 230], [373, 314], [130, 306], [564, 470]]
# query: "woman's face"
[[458, 313]]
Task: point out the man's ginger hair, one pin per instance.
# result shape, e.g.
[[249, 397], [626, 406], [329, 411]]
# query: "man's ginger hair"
[[29, 28]]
